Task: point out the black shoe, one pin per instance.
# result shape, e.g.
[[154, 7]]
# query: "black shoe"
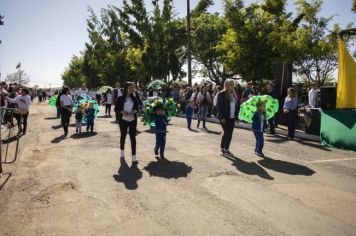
[[155, 151], [222, 152], [76, 131], [163, 157]]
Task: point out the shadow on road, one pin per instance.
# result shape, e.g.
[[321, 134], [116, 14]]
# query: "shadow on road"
[[250, 168], [57, 126], [212, 132], [313, 145], [83, 135], [168, 169], [4, 180], [58, 139], [10, 140], [51, 118], [128, 175], [286, 167]]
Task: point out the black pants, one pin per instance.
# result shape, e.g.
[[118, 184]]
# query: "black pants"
[[65, 119], [291, 118], [107, 108], [228, 128], [124, 125], [90, 124], [271, 123], [24, 122]]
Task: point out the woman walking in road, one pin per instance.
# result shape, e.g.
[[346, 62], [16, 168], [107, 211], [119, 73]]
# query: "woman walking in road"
[[290, 109], [23, 102], [127, 108], [226, 107], [66, 108]]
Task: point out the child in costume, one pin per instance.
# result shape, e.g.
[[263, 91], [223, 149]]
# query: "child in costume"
[[258, 124], [78, 120], [161, 129], [189, 113], [90, 112]]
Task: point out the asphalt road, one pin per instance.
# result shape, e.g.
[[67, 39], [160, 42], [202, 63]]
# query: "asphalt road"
[[78, 186]]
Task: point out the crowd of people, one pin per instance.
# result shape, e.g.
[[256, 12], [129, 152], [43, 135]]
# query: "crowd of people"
[[200, 101]]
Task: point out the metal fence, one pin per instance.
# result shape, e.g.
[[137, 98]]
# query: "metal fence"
[[11, 120]]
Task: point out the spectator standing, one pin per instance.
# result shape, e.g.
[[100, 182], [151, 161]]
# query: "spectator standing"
[[313, 96], [290, 109]]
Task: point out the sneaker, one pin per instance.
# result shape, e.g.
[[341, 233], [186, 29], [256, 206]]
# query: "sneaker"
[[260, 154], [155, 151], [163, 157], [227, 152], [222, 152]]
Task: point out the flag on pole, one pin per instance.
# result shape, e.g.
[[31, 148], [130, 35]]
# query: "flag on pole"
[[346, 87], [18, 65]]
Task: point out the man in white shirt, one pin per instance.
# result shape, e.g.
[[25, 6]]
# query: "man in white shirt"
[[83, 90], [313, 96], [23, 102]]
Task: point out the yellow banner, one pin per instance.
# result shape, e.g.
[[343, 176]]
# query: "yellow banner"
[[346, 86]]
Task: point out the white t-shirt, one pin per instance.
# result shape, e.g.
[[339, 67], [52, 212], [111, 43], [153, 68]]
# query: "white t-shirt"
[[128, 107], [109, 98], [92, 94], [119, 94], [66, 99], [312, 96], [232, 108], [82, 91], [23, 102]]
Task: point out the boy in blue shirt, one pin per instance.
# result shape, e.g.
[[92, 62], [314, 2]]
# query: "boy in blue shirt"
[[189, 113], [161, 129], [258, 125], [90, 112]]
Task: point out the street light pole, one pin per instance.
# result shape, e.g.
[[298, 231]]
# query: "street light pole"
[[189, 45]]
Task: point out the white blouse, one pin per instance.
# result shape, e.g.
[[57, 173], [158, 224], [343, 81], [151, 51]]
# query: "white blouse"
[[128, 107]]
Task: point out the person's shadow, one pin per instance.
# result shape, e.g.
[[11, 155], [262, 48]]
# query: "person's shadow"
[[250, 168], [285, 167], [168, 169], [128, 175], [59, 139]]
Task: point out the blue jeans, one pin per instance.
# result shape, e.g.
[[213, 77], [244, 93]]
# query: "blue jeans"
[[259, 141], [189, 121], [90, 124], [203, 110], [160, 142]]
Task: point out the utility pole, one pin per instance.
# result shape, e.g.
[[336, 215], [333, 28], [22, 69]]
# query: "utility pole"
[[189, 45]]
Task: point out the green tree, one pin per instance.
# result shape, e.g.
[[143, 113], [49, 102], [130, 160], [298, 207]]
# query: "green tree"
[[207, 32]]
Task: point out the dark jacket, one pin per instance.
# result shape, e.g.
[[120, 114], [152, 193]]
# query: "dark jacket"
[[189, 111], [160, 123], [116, 95], [90, 113], [256, 122], [119, 105], [223, 106]]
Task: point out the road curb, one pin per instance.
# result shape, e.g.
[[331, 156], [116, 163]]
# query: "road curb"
[[298, 134]]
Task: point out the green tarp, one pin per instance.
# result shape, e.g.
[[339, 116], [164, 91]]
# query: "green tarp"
[[338, 129]]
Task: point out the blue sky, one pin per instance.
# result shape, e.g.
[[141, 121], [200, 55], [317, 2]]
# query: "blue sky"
[[44, 34]]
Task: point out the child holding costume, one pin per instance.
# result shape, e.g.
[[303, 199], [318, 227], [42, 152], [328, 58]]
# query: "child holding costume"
[[90, 112], [189, 112], [78, 120], [258, 124], [161, 129]]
